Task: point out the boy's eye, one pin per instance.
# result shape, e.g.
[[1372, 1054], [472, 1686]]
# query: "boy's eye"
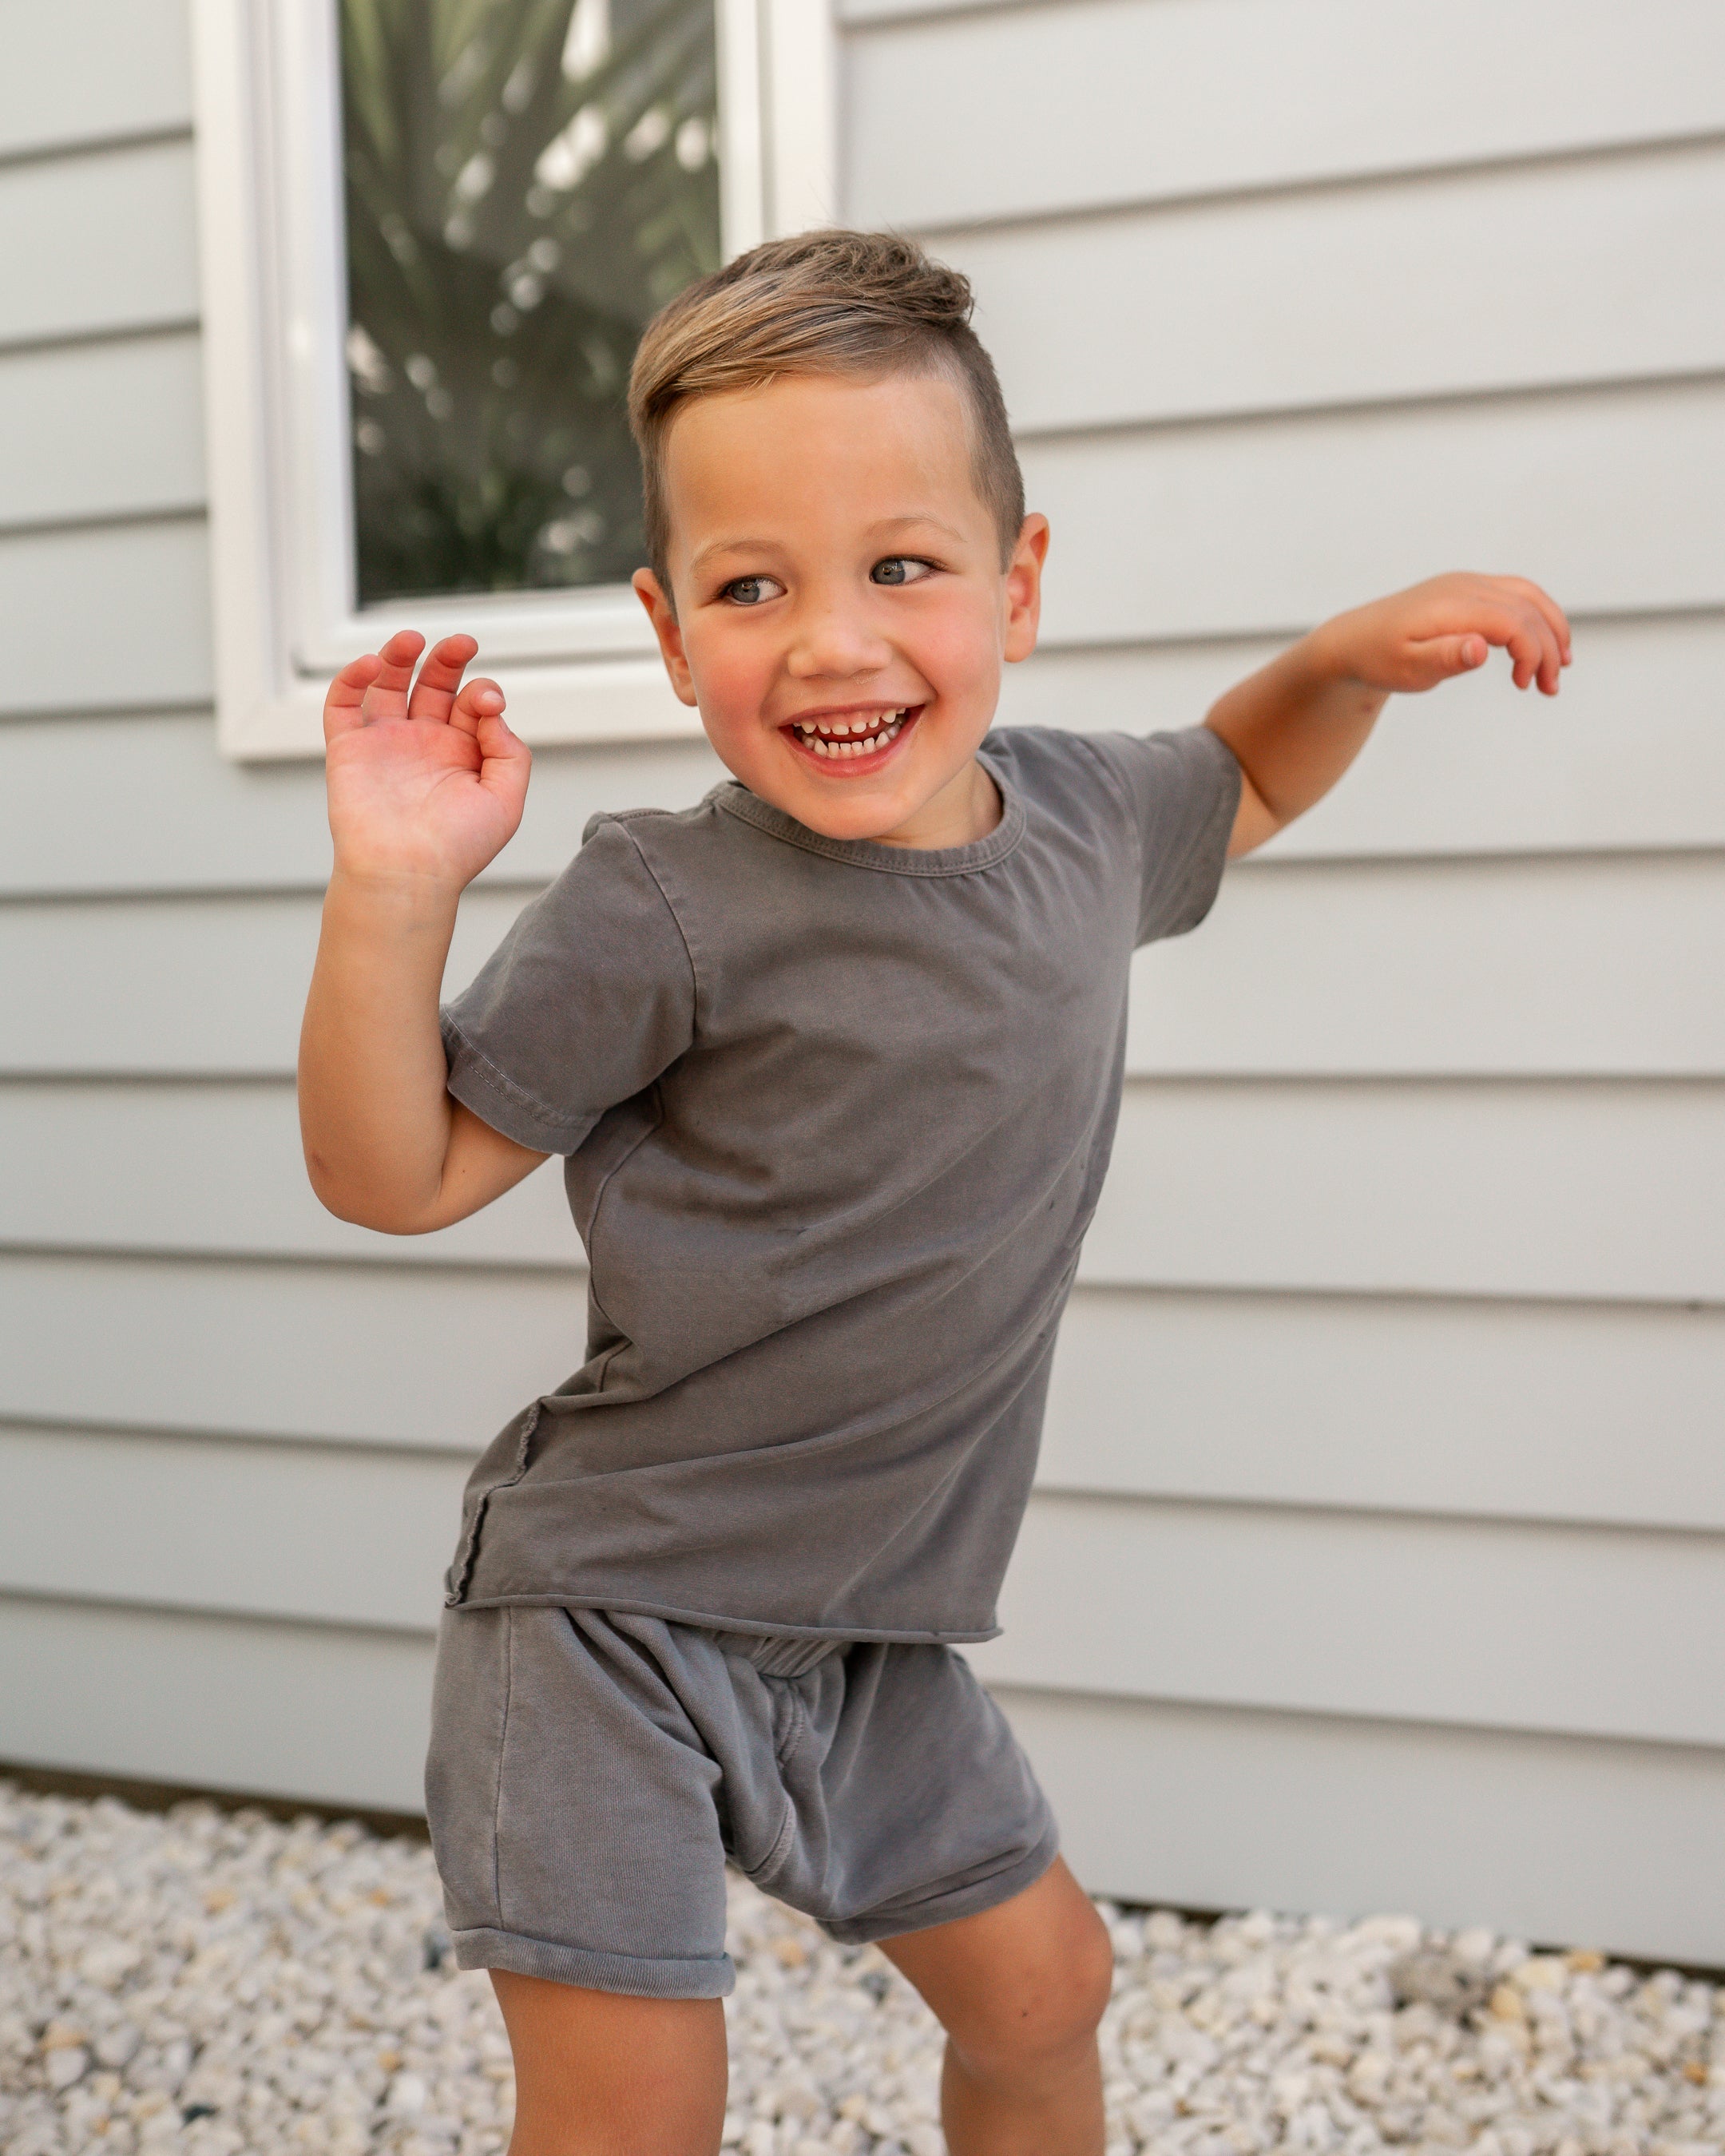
[[750, 591], [901, 569]]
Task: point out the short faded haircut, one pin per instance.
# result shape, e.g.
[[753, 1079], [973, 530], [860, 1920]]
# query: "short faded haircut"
[[863, 304]]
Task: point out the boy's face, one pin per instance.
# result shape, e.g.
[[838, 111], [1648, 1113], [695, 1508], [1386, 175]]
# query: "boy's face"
[[841, 613]]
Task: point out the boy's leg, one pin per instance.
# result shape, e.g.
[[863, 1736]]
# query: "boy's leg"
[[1020, 1989], [597, 2074]]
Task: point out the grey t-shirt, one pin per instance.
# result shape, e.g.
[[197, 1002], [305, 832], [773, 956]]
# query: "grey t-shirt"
[[836, 1116]]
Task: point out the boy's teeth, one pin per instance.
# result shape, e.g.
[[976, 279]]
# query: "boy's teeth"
[[851, 736]]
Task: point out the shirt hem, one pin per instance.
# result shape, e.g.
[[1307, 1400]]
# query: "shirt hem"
[[1201, 885], [493, 1095], [711, 1621]]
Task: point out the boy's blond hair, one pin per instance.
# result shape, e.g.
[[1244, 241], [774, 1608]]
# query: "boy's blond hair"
[[866, 303]]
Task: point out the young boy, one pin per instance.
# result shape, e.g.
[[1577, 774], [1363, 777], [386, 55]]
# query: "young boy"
[[832, 1061]]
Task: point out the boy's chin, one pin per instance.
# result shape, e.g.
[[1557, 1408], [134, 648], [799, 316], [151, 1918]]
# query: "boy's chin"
[[870, 812]]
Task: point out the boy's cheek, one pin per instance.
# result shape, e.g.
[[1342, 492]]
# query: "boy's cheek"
[[732, 715], [960, 657], [731, 686]]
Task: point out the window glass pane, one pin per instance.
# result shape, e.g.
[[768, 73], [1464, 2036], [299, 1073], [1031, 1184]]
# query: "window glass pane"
[[526, 181]]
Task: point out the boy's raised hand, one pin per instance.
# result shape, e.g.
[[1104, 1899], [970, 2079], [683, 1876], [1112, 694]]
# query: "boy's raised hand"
[[1415, 639], [1296, 724], [425, 779]]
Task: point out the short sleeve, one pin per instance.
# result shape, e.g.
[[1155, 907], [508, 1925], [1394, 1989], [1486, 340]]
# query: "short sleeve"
[[589, 996], [1183, 788]]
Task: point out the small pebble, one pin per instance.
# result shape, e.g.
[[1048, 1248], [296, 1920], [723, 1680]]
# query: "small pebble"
[[214, 1984], [1438, 1977]]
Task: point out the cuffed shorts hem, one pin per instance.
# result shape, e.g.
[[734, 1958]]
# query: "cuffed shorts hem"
[[945, 1907], [633, 1976]]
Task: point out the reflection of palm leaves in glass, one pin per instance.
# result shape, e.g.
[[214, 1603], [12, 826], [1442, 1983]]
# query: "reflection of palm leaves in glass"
[[510, 230]]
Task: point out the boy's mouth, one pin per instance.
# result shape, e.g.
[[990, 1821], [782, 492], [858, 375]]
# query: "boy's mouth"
[[844, 740]]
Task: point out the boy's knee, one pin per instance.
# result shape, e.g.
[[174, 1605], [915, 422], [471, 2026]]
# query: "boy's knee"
[[1046, 2015]]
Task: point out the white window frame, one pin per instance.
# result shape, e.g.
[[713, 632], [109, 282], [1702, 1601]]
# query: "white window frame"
[[577, 665]]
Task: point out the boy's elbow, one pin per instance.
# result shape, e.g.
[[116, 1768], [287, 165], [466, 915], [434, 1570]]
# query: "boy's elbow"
[[363, 1208], [1256, 821]]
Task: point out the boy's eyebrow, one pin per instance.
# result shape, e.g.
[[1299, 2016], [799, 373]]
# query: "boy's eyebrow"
[[885, 525], [917, 517], [729, 546]]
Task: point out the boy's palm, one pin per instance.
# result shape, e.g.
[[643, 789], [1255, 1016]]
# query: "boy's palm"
[[424, 778], [1415, 640]]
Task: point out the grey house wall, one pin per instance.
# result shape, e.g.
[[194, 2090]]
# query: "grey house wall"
[[1380, 1551]]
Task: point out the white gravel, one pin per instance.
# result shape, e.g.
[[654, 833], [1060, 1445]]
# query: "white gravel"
[[226, 1984]]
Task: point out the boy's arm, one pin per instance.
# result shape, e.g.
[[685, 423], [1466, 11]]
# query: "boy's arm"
[[1297, 725], [424, 789]]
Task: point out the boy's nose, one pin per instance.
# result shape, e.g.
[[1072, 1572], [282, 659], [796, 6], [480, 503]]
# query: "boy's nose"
[[834, 642]]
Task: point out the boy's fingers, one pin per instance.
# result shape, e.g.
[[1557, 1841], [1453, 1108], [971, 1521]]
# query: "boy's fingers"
[[1533, 649], [395, 656], [1555, 617], [1549, 651], [480, 700], [344, 699], [504, 758], [1521, 629], [506, 765], [440, 677], [1551, 671], [1441, 657], [1557, 622], [387, 698]]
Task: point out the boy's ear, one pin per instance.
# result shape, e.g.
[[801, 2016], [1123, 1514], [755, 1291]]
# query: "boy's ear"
[[652, 595], [1023, 588]]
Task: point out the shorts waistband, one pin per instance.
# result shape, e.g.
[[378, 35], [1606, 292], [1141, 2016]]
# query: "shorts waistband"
[[776, 1655]]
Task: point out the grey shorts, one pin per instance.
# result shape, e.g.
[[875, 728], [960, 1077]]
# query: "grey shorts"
[[590, 1773]]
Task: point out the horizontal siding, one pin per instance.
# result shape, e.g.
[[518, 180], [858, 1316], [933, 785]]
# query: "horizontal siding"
[[84, 71], [1579, 1411], [320, 1534], [1419, 1188], [1202, 1194], [1568, 1629], [1582, 1411], [1552, 1839], [1140, 101], [371, 1355], [1541, 966], [99, 244], [310, 1711], [1401, 291], [1531, 966], [113, 617], [145, 970], [69, 789], [70, 443], [1614, 499], [213, 1168]]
